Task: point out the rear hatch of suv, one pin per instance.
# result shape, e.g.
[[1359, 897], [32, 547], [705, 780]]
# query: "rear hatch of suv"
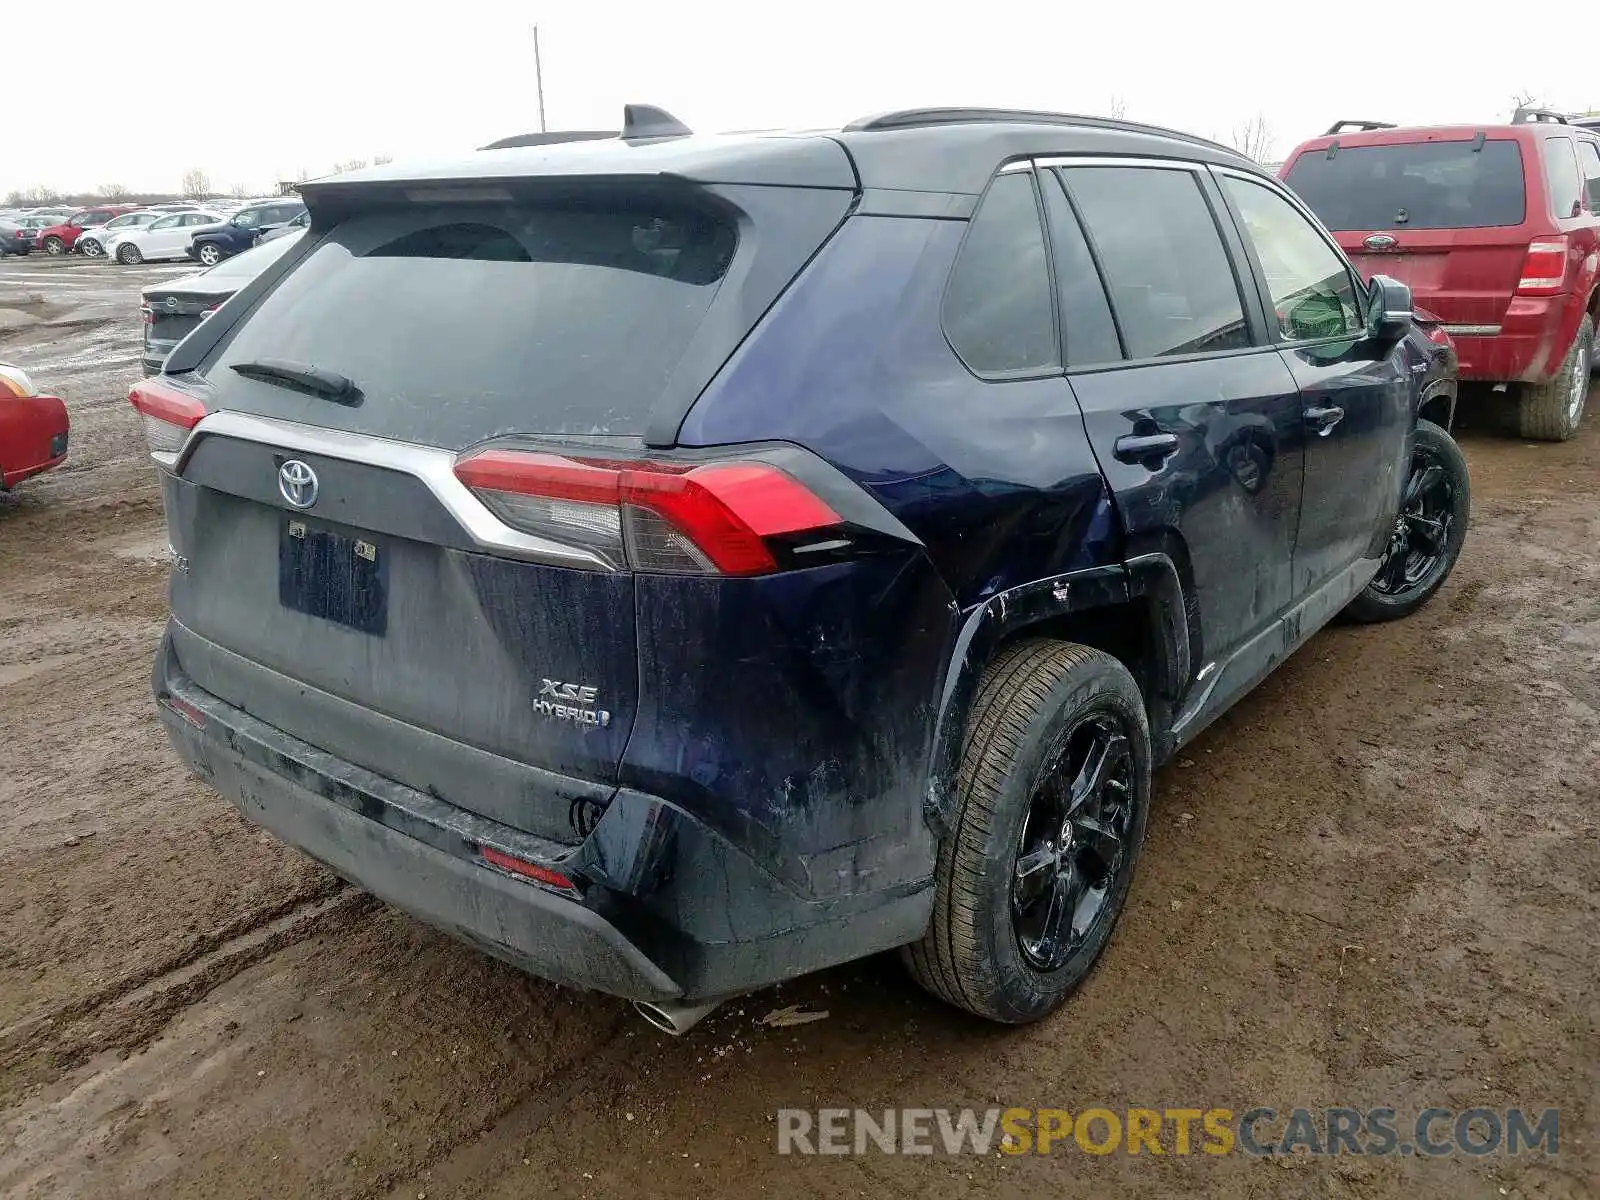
[[1448, 212], [347, 580]]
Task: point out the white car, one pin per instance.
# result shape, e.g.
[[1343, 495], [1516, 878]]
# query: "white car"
[[167, 237], [92, 241]]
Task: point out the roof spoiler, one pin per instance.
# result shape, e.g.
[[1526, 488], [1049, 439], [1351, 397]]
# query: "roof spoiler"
[[1527, 115], [1363, 126]]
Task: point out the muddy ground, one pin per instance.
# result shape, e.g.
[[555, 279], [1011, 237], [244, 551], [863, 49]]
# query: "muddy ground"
[[1374, 883]]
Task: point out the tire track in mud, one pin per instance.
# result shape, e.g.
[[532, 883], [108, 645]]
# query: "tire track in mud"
[[448, 1160], [133, 1009]]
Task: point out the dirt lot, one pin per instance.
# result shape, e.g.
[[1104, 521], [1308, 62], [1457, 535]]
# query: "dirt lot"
[[1375, 882]]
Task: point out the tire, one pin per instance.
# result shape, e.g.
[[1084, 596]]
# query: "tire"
[[129, 255], [1037, 702], [1551, 412], [54, 247], [209, 254], [1426, 542], [90, 248]]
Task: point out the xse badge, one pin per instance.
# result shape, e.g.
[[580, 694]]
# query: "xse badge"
[[570, 702]]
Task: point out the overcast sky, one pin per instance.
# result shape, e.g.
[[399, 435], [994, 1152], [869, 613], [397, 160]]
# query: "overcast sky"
[[117, 92]]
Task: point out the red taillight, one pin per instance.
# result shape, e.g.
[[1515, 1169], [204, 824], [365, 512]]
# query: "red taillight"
[[526, 869], [169, 414], [1544, 270], [147, 313], [711, 519]]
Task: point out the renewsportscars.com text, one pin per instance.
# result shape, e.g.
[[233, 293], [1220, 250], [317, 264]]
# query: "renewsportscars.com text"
[[1430, 1132]]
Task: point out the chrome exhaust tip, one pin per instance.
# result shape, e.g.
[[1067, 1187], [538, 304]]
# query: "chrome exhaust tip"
[[676, 1019]]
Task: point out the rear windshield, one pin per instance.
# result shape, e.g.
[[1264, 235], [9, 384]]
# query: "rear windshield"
[[471, 320], [1413, 185]]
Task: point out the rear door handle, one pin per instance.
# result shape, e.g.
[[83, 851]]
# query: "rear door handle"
[[1323, 419], [1148, 449]]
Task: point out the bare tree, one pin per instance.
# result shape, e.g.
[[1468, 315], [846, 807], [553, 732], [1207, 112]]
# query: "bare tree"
[[1119, 108], [113, 191], [1254, 139], [239, 191], [42, 193], [16, 199], [379, 159], [355, 164], [196, 185]]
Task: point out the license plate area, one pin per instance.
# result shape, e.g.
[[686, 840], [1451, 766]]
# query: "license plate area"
[[340, 577]]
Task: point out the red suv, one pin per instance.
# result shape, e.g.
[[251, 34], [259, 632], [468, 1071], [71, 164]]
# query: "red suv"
[[58, 239], [1495, 227]]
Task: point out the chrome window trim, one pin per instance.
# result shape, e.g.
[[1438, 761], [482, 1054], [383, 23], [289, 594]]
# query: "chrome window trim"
[[1472, 330], [1046, 162], [434, 467]]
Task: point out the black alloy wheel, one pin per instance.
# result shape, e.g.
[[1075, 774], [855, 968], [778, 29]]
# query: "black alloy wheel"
[[1074, 844], [1419, 544]]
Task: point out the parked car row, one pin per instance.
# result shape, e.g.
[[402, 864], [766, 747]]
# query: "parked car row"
[[131, 234], [1496, 228]]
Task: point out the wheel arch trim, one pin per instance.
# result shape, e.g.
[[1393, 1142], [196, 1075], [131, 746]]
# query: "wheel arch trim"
[[1151, 580]]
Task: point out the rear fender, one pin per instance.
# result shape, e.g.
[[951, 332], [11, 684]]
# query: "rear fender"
[[1147, 588]]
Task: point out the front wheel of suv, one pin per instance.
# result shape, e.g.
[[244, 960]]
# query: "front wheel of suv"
[[1428, 531], [1550, 412], [210, 254], [1050, 810], [54, 245]]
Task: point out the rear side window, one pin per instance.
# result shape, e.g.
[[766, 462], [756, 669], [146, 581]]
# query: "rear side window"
[[1312, 291], [1561, 177], [1171, 284], [479, 319], [1589, 161], [997, 310], [1413, 185], [1085, 311]]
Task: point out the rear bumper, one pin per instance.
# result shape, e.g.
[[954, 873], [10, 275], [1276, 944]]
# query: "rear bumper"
[[38, 436], [1526, 346], [664, 908]]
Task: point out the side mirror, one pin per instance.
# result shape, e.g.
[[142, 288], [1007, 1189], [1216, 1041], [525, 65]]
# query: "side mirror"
[[1389, 310]]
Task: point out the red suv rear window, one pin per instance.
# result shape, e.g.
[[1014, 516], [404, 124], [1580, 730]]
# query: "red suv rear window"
[[1414, 185]]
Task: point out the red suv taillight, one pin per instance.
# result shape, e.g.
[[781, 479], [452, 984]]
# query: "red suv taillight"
[[168, 414], [1544, 270], [702, 520]]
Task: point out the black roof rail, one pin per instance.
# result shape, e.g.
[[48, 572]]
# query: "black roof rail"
[[913, 118], [549, 139], [647, 121], [1528, 115], [1364, 126]]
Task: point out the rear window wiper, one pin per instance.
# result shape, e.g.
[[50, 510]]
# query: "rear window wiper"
[[302, 377]]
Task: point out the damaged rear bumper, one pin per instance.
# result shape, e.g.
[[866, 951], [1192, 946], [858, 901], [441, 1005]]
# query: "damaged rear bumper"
[[662, 908]]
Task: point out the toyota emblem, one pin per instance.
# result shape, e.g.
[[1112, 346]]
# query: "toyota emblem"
[[297, 482], [172, 302]]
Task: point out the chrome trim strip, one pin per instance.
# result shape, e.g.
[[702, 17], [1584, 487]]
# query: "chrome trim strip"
[[434, 467], [1472, 330], [1100, 160]]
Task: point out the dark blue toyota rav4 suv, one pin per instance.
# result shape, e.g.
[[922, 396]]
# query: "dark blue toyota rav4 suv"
[[677, 563]]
